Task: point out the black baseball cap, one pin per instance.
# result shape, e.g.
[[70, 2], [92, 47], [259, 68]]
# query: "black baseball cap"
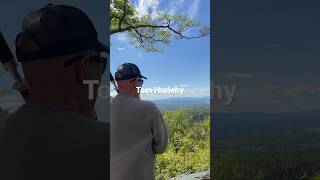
[[58, 30], [128, 71]]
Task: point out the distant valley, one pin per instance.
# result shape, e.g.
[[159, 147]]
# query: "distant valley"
[[249, 131], [183, 103]]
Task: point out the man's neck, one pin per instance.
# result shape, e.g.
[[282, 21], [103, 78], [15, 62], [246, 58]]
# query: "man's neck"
[[130, 94]]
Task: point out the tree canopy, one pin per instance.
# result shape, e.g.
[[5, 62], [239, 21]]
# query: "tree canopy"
[[189, 143], [148, 31]]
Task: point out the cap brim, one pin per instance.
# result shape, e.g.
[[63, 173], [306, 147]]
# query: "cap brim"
[[103, 48], [142, 77]]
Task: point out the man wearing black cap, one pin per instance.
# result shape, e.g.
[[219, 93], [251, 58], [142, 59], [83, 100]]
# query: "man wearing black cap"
[[137, 130], [55, 134]]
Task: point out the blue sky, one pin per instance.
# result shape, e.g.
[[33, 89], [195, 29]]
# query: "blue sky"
[[184, 63], [270, 50]]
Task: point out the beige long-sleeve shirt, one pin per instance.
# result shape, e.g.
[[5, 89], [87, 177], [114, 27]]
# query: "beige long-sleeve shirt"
[[137, 133]]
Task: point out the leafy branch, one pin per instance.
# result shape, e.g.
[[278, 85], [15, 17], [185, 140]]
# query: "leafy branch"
[[148, 31]]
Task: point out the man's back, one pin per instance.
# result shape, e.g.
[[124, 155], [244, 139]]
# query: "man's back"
[[137, 133], [46, 142]]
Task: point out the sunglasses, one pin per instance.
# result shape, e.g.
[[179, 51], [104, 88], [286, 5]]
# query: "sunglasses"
[[99, 59], [139, 81]]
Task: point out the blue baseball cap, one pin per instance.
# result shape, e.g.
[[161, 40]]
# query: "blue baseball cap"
[[58, 30], [128, 71]]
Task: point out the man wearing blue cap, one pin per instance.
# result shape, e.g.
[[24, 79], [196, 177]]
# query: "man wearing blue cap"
[[137, 130], [55, 136]]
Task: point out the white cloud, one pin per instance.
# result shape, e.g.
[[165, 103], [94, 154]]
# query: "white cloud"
[[140, 54], [121, 48], [122, 37], [148, 7], [184, 85], [194, 8], [151, 7], [187, 92], [276, 98], [197, 92], [174, 6], [234, 75]]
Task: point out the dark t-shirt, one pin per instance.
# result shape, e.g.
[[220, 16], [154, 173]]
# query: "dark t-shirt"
[[45, 142]]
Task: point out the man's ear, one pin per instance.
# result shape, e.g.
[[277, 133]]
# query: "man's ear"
[[82, 69], [134, 85]]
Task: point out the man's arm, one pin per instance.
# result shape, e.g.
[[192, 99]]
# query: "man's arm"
[[159, 132]]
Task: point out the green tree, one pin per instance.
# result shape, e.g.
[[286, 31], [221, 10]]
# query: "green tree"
[[189, 145], [148, 31], [231, 166], [317, 176]]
